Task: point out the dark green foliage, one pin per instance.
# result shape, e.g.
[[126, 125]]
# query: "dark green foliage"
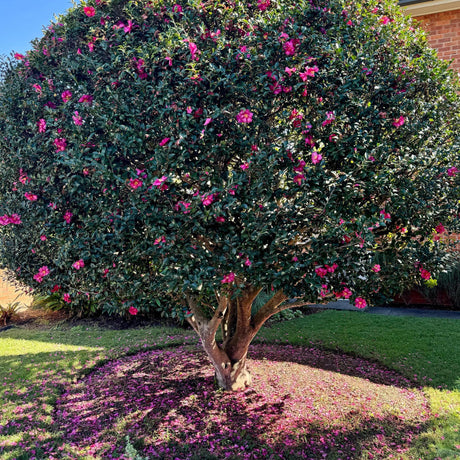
[[166, 190]]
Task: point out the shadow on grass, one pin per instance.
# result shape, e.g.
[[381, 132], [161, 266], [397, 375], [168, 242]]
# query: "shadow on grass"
[[167, 403]]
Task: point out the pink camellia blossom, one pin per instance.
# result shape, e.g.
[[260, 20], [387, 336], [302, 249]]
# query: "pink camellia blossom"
[[183, 206], [37, 88], [129, 27], [18, 56], [451, 172], [193, 50], [38, 278], [41, 124], [207, 199], [244, 166], [15, 219], [177, 8], [159, 240], [66, 95], [263, 4], [290, 70], [245, 116], [78, 264], [86, 99], [300, 166], [220, 219], [229, 278], [384, 20], [386, 215], [321, 271], [376, 268], [208, 120], [397, 122], [165, 141], [60, 144], [44, 271], [290, 46], [298, 178], [316, 158], [66, 298], [132, 310], [135, 183], [43, 238], [345, 293], [160, 183], [247, 262], [77, 119], [68, 216], [425, 274], [330, 117], [309, 72], [360, 302], [30, 196], [89, 11], [440, 228]]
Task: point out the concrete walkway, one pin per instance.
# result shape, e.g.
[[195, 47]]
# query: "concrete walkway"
[[392, 311]]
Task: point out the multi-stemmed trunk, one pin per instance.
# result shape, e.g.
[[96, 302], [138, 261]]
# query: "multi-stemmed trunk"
[[239, 326]]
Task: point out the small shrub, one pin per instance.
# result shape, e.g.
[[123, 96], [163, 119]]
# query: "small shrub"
[[8, 311]]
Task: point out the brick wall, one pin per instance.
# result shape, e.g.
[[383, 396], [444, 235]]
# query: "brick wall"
[[444, 34]]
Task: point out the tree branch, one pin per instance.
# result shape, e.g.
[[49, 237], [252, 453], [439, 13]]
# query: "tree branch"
[[269, 309]]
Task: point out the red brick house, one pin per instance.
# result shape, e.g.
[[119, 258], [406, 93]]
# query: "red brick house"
[[441, 19]]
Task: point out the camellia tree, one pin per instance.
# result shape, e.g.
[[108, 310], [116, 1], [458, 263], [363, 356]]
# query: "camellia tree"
[[198, 157]]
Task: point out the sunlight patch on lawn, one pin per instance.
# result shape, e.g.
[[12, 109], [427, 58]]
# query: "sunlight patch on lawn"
[[14, 347]]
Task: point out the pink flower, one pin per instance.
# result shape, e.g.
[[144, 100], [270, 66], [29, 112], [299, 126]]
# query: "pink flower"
[[183, 205], [160, 183], [290, 71], [397, 122], [452, 171], [60, 144], [245, 116], [44, 271], [330, 117], [135, 183], [376, 268], [207, 199], [37, 88], [345, 293], [360, 302], [15, 219], [66, 96], [300, 166], [30, 196], [43, 237], [132, 310], [68, 216], [89, 11], [18, 56], [228, 278], [208, 120], [309, 72], [165, 141], [86, 99], [77, 119], [177, 9], [193, 50], [244, 166], [298, 179], [425, 274], [440, 228], [290, 46], [321, 271], [129, 27], [316, 158], [38, 278], [159, 240], [41, 124], [263, 4], [384, 20], [56, 288], [78, 264], [386, 215], [66, 298], [247, 262], [220, 219]]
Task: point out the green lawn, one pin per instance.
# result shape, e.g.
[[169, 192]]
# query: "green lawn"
[[36, 365]]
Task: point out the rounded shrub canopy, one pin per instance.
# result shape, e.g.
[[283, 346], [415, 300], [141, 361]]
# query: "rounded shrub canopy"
[[151, 148]]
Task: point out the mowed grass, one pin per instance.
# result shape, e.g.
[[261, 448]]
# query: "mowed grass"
[[36, 366]]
